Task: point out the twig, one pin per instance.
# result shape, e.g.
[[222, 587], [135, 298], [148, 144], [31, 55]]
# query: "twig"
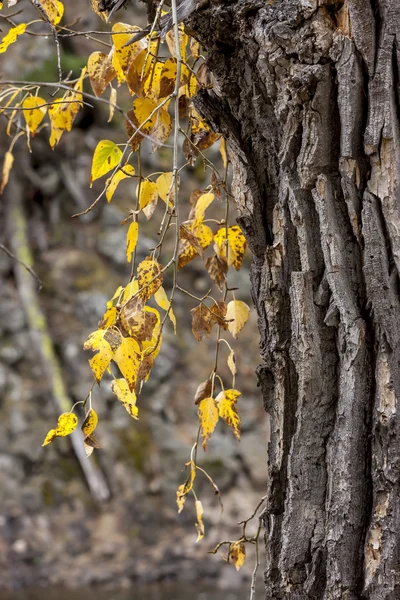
[[21, 262]]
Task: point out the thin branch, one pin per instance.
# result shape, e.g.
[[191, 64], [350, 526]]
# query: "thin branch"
[[27, 267]]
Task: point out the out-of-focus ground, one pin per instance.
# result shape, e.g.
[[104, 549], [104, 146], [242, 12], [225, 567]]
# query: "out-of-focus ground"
[[52, 532]]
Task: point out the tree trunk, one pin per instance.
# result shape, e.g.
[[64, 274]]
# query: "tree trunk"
[[307, 95]]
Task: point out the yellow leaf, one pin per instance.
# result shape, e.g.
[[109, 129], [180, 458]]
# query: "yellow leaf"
[[194, 48], [112, 183], [143, 325], [237, 552], [131, 239], [162, 300], [150, 278], [7, 166], [222, 150], [183, 40], [113, 102], [233, 249], [148, 197], [203, 320], [199, 524], [226, 401], [232, 362], [208, 415], [106, 156], [180, 495], [97, 340], [124, 56], [58, 122], [127, 357], [237, 313], [202, 204], [101, 71], [184, 489], [34, 112], [130, 290], [90, 422], [67, 423], [217, 269], [120, 388], [165, 188], [162, 128], [140, 117], [11, 36], [53, 9], [194, 239]]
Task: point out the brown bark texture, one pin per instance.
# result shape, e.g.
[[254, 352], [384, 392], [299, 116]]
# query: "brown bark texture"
[[306, 93]]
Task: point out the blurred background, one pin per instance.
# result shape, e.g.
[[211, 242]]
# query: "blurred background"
[[54, 531]]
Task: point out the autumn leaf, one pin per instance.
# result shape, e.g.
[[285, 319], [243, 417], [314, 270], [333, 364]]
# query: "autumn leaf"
[[106, 156], [142, 325], [232, 363], [202, 204], [237, 552], [165, 188], [203, 320], [162, 300], [53, 10], [97, 341], [217, 268], [113, 182], [101, 71], [123, 55], [34, 112], [208, 416], [222, 151], [127, 397], [184, 489], [127, 357], [203, 391], [150, 277], [237, 313], [131, 240], [12, 36], [67, 423], [90, 422], [199, 523], [233, 249], [148, 196], [189, 248], [7, 166], [226, 402]]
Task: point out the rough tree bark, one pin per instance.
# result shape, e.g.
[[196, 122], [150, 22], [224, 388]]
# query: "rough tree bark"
[[307, 94]]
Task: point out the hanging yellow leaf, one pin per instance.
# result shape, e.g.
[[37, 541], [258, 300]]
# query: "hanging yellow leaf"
[[67, 423], [199, 524], [101, 72], [226, 402], [143, 324], [162, 300], [202, 204], [180, 497], [111, 313], [194, 48], [148, 197], [98, 340], [112, 105], [150, 278], [183, 40], [11, 36], [165, 188], [90, 422], [113, 182], [123, 55], [237, 313], [130, 290], [120, 388], [222, 150], [58, 122], [131, 239], [194, 239], [53, 10], [34, 112], [162, 128], [237, 552], [184, 489], [232, 363], [142, 115], [64, 110], [208, 416], [204, 318], [7, 166], [233, 249], [106, 156], [127, 357]]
